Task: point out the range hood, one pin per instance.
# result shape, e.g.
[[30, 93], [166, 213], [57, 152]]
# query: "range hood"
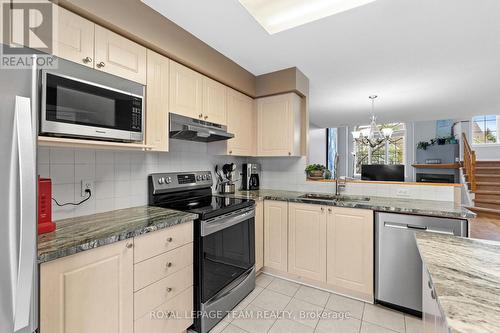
[[190, 129]]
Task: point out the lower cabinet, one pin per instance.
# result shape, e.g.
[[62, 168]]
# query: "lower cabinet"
[[259, 235], [331, 247], [350, 250], [276, 235], [89, 292], [104, 291], [307, 241]]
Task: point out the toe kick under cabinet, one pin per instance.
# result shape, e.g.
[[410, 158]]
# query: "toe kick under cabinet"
[[329, 247], [140, 285]]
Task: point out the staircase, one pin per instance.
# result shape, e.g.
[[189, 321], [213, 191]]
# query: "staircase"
[[483, 179]]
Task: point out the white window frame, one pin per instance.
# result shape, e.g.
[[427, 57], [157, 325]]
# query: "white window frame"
[[484, 145]]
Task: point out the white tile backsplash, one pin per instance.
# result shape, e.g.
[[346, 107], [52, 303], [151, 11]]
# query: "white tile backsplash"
[[120, 177]]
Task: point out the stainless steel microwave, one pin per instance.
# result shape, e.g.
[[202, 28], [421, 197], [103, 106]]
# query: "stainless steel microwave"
[[81, 102]]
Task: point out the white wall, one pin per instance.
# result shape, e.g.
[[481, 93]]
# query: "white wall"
[[120, 176], [483, 152], [317, 145]]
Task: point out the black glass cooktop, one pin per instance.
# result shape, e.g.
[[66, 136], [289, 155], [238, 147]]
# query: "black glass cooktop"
[[206, 206]]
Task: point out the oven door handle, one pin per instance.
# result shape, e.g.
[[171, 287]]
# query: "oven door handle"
[[212, 226]]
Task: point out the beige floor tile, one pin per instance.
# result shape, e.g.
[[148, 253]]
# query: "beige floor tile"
[[367, 327], [233, 329], [331, 322], [219, 327], [283, 287], [384, 317], [255, 322], [289, 326], [303, 312], [263, 280], [244, 303], [312, 295], [414, 324], [344, 304], [271, 300]]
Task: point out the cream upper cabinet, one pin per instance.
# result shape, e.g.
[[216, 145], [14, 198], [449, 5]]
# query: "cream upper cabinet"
[[259, 235], [350, 251], [186, 91], [89, 292], [157, 101], [74, 39], [276, 235], [279, 121], [214, 101], [241, 119], [307, 241], [119, 56]]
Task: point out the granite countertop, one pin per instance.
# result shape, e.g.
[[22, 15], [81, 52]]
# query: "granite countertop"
[[466, 277], [83, 233], [382, 204]]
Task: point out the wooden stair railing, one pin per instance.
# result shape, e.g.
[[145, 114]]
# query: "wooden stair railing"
[[469, 163]]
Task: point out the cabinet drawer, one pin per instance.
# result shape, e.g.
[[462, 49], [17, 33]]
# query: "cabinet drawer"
[[162, 291], [158, 267], [158, 320], [158, 242]]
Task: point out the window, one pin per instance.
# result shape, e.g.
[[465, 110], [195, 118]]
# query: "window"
[[485, 129], [331, 148], [391, 151]]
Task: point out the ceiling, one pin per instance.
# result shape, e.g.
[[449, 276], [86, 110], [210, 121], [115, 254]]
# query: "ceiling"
[[426, 59]]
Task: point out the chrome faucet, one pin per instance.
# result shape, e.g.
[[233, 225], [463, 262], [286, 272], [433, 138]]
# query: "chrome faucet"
[[339, 185]]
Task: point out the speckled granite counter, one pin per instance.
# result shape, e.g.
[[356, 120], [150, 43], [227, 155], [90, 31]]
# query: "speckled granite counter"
[[83, 233], [466, 277], [394, 205]]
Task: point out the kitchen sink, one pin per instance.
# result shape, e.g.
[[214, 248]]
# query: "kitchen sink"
[[332, 197]]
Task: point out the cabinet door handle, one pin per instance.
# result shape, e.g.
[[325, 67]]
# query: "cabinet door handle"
[[200, 115], [322, 209], [129, 245], [206, 117], [289, 154], [329, 210], [86, 60], [169, 264], [169, 240], [100, 65], [168, 289], [230, 152]]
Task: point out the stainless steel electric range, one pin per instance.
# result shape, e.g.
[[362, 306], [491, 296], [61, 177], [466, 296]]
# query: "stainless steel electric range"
[[224, 241]]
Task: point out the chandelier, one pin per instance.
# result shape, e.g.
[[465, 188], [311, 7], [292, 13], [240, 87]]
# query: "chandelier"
[[373, 135]]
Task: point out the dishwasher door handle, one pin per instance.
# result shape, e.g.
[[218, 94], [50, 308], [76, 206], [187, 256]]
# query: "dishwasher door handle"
[[423, 228]]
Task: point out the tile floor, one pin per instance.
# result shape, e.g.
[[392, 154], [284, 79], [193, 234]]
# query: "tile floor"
[[275, 294]]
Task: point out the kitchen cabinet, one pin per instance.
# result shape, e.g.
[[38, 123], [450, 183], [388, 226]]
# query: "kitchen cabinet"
[[74, 38], [259, 235], [241, 120], [88, 292], [349, 235], [434, 321], [307, 241], [157, 101], [279, 121], [214, 101], [117, 55], [276, 235], [186, 91]]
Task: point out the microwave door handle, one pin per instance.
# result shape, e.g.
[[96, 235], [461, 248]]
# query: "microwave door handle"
[[27, 200]]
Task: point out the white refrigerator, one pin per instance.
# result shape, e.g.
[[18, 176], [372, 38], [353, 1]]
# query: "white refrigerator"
[[18, 201]]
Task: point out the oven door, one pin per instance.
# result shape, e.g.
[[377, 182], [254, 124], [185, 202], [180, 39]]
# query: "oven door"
[[227, 250], [79, 108]]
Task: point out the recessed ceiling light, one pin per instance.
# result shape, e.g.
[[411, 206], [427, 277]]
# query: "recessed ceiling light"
[[279, 15]]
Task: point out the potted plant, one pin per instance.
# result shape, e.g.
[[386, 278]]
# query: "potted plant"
[[315, 171]]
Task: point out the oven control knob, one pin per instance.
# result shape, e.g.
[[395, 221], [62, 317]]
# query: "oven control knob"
[[168, 180], [161, 180], [204, 177], [198, 177]]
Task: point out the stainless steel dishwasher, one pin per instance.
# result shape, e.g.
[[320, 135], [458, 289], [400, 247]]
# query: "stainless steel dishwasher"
[[398, 266]]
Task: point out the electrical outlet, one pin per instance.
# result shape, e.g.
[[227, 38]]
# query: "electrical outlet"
[[403, 192], [86, 185]]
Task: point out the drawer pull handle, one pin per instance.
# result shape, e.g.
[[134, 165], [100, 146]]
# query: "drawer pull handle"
[[169, 289], [86, 60], [169, 240], [169, 264], [129, 245], [100, 65]]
